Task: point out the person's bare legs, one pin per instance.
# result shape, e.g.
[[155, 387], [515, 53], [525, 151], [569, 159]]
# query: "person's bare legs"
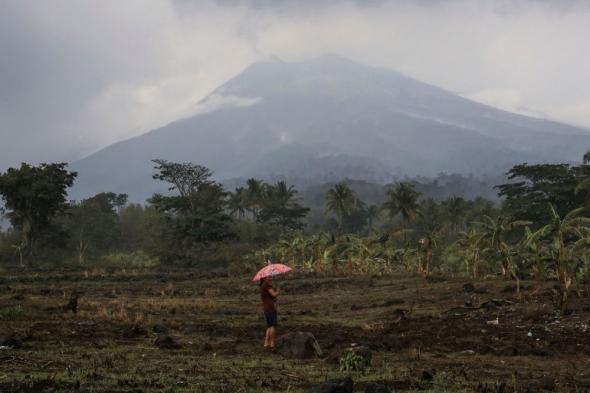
[[272, 336], [267, 338]]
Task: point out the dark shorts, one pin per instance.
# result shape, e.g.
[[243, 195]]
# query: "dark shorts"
[[271, 318]]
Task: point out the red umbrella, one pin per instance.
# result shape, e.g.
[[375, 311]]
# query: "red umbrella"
[[271, 270]]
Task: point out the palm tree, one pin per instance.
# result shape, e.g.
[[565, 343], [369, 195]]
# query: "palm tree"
[[237, 203], [254, 195], [280, 194], [494, 233], [403, 199], [455, 207], [341, 201], [572, 229]]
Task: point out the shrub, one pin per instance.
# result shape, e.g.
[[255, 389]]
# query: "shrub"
[[352, 361], [137, 259]]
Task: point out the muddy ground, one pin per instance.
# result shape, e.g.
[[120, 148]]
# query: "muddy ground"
[[434, 335]]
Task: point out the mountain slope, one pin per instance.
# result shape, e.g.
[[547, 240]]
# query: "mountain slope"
[[329, 118]]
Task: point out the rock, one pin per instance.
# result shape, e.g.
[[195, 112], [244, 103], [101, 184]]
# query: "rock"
[[160, 329], [344, 385], [134, 331], [11, 342], [167, 342], [300, 345], [19, 296], [377, 388], [469, 287]]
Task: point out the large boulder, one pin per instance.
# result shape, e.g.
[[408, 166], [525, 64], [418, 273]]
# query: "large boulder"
[[344, 385], [299, 345]]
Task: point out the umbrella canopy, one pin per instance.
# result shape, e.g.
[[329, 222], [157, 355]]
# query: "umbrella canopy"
[[271, 270]]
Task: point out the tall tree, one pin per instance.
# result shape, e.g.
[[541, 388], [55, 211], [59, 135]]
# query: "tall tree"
[[93, 224], [254, 192], [280, 206], [237, 203], [455, 207], [341, 201], [403, 199], [533, 187], [198, 216], [33, 197]]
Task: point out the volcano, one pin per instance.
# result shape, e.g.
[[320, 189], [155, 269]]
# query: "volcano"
[[326, 119]]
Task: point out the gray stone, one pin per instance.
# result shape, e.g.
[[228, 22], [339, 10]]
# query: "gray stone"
[[300, 345]]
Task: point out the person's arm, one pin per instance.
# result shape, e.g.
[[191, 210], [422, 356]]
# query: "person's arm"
[[273, 292]]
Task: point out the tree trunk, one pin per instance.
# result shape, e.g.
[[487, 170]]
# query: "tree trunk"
[[20, 257]]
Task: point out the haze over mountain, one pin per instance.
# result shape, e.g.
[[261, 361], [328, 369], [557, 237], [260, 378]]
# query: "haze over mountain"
[[326, 119]]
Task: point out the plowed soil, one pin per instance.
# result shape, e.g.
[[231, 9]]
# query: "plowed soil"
[[436, 334]]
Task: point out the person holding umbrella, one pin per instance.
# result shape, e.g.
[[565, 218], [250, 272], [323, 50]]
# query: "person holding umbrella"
[[268, 295]]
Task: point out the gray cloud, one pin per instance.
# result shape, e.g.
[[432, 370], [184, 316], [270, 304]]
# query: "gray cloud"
[[78, 75]]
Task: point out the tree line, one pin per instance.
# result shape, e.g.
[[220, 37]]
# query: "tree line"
[[540, 229], [197, 221]]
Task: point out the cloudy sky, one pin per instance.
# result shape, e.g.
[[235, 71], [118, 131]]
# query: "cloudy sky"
[[77, 75]]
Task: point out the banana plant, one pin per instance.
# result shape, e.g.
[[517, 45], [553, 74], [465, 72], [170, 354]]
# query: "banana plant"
[[493, 236], [469, 244], [566, 234]]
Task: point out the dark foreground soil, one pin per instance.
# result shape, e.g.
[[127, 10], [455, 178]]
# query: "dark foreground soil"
[[190, 332]]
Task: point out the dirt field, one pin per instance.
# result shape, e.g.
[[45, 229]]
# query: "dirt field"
[[425, 335]]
